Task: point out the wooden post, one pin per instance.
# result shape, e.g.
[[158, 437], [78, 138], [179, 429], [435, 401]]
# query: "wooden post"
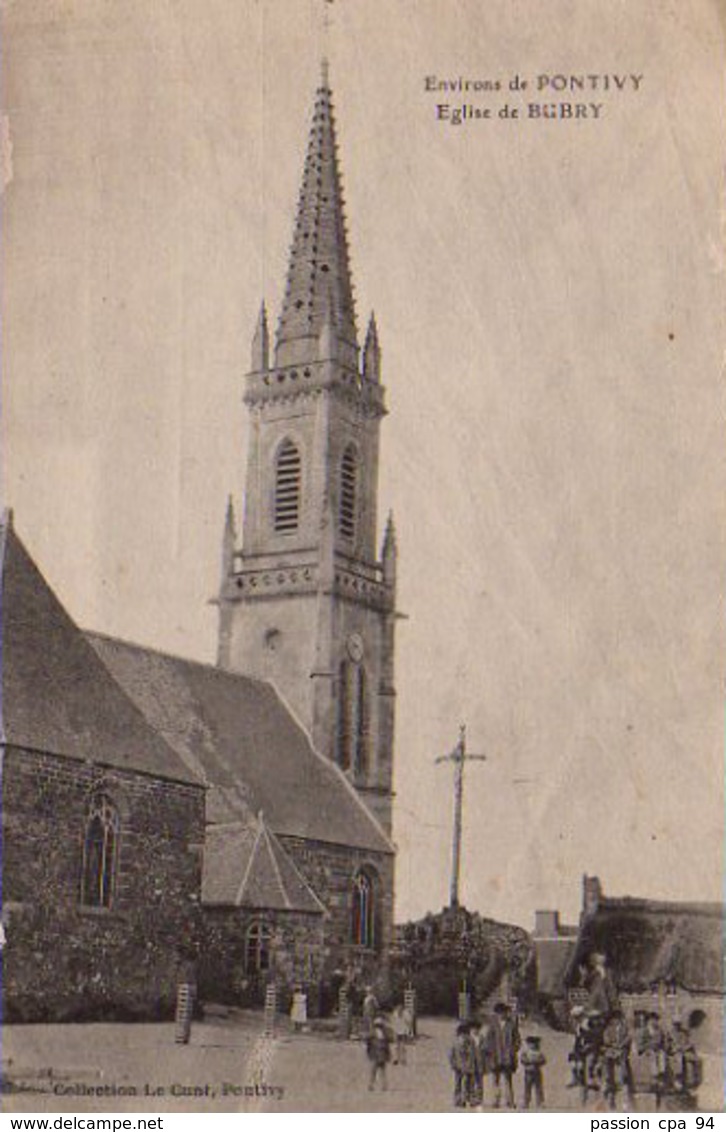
[[409, 1001], [464, 1003], [270, 1010], [344, 1022], [184, 1010]]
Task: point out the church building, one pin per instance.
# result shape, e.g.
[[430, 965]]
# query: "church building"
[[271, 770], [296, 721], [292, 731]]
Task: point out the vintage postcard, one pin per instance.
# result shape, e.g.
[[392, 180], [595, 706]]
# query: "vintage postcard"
[[362, 555]]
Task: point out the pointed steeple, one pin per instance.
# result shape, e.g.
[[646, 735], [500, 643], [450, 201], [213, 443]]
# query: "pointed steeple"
[[372, 353], [229, 541], [389, 552], [319, 263], [260, 361]]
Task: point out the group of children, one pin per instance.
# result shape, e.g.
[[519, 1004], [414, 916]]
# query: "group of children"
[[608, 1056], [653, 1057], [483, 1048], [490, 1049]]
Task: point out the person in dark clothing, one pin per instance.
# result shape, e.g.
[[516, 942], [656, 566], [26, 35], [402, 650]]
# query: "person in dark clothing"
[[616, 1043], [370, 1012], [480, 1036], [504, 1049], [653, 1044], [378, 1049], [684, 1065], [602, 992], [463, 1060]]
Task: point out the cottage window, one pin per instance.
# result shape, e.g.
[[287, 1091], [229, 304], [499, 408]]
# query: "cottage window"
[[100, 853], [257, 948], [287, 488], [363, 922]]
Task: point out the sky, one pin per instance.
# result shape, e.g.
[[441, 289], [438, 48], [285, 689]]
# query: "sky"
[[549, 296]]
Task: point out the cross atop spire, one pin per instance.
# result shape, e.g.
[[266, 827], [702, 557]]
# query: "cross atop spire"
[[325, 24], [318, 278]]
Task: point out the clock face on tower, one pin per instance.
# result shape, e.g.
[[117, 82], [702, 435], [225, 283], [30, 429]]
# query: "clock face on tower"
[[355, 647]]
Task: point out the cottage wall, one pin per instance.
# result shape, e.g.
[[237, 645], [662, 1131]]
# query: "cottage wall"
[[63, 960]]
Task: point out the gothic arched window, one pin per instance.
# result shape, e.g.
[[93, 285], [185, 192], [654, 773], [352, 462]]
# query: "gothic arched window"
[[352, 725], [343, 736], [363, 920], [287, 488], [361, 722], [258, 946], [348, 492], [100, 852]]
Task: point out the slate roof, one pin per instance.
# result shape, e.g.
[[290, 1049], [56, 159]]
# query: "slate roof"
[[237, 733], [245, 866], [649, 941], [56, 695]]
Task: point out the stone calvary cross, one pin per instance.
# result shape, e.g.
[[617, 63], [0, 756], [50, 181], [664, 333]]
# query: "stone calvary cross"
[[459, 756]]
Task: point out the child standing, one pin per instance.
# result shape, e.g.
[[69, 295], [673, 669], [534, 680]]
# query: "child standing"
[[400, 1033], [484, 1060], [462, 1058], [299, 1009], [616, 1059], [533, 1061], [370, 1012], [378, 1048]]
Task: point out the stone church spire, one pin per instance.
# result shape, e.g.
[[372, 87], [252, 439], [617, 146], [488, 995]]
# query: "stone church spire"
[[307, 603], [318, 278]]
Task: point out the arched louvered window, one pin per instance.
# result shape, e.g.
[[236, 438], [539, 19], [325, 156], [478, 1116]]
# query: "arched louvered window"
[[363, 917], [343, 737], [348, 492], [287, 488], [258, 948], [100, 852]]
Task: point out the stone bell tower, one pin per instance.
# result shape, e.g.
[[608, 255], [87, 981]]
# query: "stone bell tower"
[[306, 602]]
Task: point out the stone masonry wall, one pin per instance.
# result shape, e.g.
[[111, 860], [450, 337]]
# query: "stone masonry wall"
[[330, 869], [65, 961], [296, 955]]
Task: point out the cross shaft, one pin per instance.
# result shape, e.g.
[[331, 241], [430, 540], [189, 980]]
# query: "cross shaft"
[[459, 757]]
